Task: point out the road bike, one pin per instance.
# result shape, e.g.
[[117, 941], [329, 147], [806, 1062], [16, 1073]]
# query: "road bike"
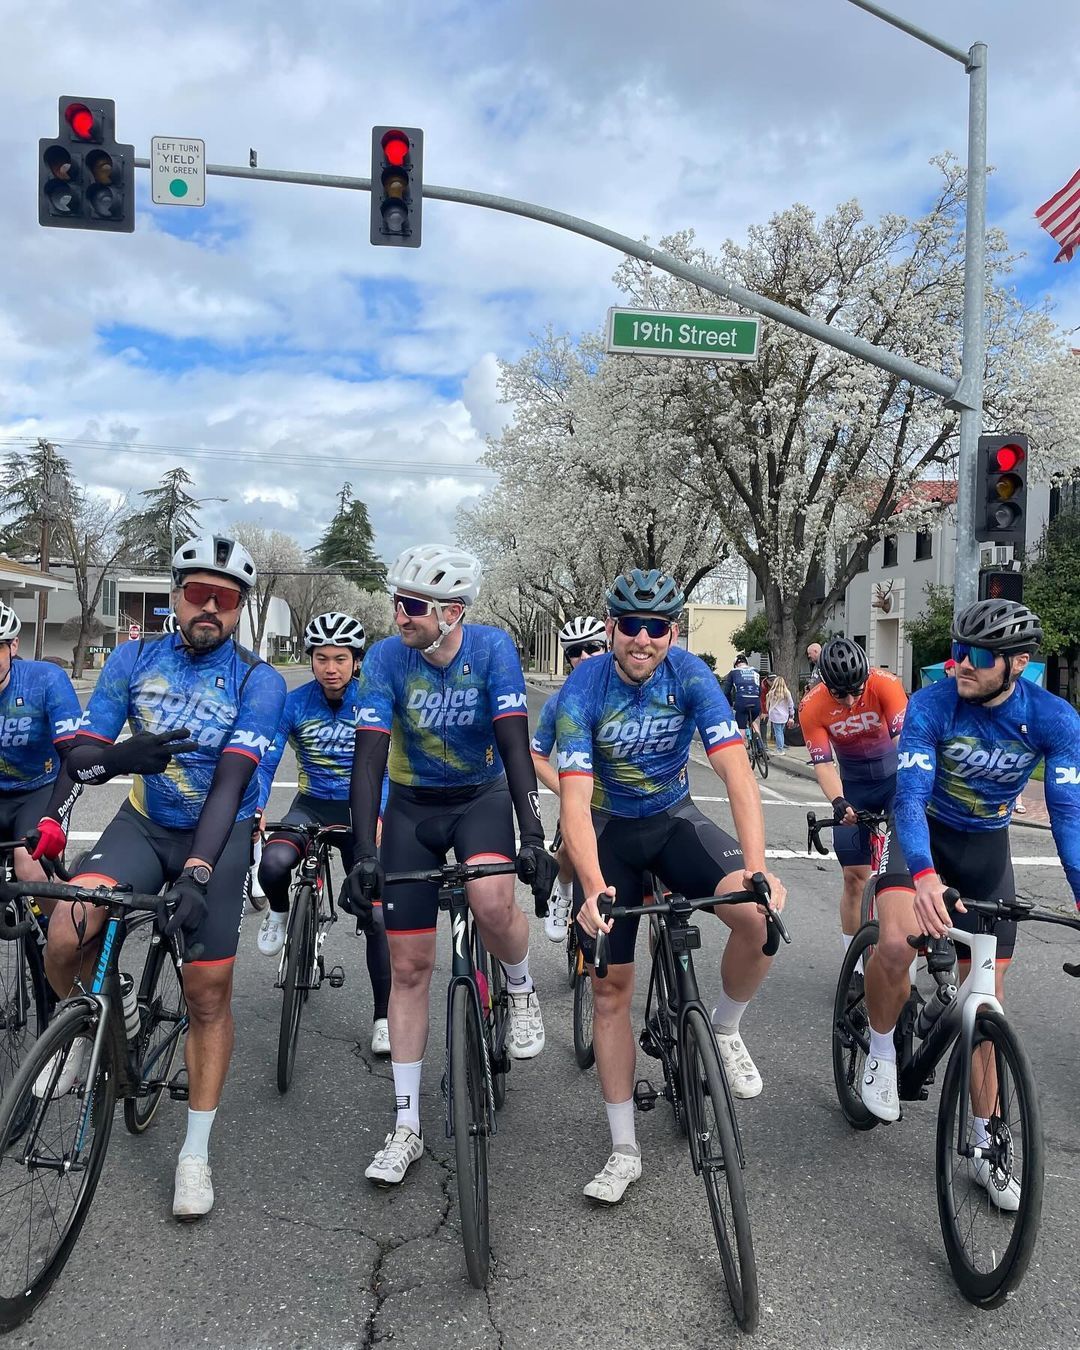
[[26, 1000], [679, 1034], [312, 912], [756, 750], [988, 1245], [53, 1146], [875, 822], [477, 1055]]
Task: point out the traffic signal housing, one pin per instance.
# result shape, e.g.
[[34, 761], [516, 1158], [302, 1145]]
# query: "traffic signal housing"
[[1001, 490], [996, 585], [86, 180], [397, 169]]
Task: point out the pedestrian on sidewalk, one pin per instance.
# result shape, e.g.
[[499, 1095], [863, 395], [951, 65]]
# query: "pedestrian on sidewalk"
[[780, 707]]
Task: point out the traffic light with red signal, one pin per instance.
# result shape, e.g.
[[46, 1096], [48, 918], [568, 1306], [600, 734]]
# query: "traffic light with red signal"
[[86, 180], [397, 168], [1001, 490]]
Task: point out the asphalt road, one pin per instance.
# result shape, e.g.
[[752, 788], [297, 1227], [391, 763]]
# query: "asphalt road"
[[300, 1250]]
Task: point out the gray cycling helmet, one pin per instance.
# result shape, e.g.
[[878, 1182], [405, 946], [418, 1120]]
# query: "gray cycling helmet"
[[215, 553], [10, 623], [334, 630], [639, 592], [843, 666], [1003, 626]]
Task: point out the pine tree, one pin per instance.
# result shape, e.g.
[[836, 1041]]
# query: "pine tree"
[[35, 487], [169, 518], [349, 540]]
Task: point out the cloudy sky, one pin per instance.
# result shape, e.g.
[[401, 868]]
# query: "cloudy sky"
[[266, 346]]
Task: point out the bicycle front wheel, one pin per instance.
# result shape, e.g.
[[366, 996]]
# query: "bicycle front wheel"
[[714, 1148], [990, 1210], [163, 1011], [51, 1153], [24, 1007], [572, 950], [469, 1097], [851, 1029], [583, 1021], [299, 960]]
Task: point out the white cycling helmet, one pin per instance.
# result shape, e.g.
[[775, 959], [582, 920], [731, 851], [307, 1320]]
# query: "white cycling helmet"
[[582, 628], [171, 624], [334, 630], [436, 571], [10, 623], [215, 553]]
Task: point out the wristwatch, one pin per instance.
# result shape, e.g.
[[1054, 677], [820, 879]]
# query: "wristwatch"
[[200, 874]]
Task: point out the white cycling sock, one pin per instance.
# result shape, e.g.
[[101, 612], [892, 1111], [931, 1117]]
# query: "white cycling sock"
[[727, 1014], [407, 1093], [518, 979], [197, 1140], [566, 890], [620, 1117], [846, 939], [882, 1045], [980, 1130]]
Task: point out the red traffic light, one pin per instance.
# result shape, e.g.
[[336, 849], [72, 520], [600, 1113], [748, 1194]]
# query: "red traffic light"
[[395, 147], [1007, 457], [81, 120]]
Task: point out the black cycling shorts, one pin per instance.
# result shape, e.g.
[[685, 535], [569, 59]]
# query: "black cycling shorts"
[[21, 811], [136, 851], [317, 811], [977, 862], [744, 716], [682, 845], [421, 826], [851, 843]]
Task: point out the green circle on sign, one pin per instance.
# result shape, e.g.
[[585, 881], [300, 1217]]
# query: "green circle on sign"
[[178, 187]]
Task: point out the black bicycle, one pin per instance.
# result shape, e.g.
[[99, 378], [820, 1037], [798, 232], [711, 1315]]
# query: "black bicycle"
[[756, 750], [25, 998], [53, 1143], [679, 1033], [477, 1056], [988, 1240], [875, 822], [311, 913]]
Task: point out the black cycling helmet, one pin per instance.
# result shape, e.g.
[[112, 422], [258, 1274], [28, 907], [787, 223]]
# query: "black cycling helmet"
[[638, 592], [843, 666], [1003, 626]]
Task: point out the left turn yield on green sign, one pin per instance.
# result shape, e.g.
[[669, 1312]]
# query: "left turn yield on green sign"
[[177, 171]]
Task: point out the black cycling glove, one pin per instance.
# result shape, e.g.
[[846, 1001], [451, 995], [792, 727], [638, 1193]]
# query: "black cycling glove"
[[538, 869], [841, 806], [186, 899], [363, 885]]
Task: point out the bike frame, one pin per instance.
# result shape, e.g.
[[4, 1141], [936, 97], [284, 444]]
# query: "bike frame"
[[454, 900], [313, 871]]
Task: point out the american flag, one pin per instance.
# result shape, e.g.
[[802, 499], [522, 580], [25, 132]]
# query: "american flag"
[[1060, 217]]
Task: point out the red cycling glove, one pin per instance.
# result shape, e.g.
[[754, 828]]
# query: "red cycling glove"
[[50, 839]]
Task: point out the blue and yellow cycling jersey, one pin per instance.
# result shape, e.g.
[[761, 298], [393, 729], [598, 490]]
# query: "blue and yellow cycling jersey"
[[634, 740], [965, 764], [322, 734], [543, 738], [39, 710], [228, 698], [441, 720]]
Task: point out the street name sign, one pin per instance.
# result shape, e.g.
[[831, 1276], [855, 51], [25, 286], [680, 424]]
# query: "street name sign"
[[177, 171], [653, 332]]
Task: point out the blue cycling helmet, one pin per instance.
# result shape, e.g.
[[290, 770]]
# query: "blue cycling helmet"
[[638, 592]]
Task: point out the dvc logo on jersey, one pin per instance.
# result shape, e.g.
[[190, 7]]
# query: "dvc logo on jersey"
[[917, 759], [1067, 776], [511, 703], [574, 761]]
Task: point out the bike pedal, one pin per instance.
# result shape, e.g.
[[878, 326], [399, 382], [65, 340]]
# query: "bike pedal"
[[178, 1088], [336, 978], [645, 1095]]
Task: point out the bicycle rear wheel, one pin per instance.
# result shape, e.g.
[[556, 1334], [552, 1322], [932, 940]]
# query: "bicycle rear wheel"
[[299, 960], [163, 1011], [583, 1021], [50, 1163], [762, 757], [572, 949], [469, 1097], [714, 1149], [24, 1006], [989, 1247], [851, 1030]]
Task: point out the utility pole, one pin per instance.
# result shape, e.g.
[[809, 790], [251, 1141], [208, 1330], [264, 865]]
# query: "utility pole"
[[44, 547]]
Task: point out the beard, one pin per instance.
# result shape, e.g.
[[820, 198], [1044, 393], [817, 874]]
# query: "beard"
[[206, 636]]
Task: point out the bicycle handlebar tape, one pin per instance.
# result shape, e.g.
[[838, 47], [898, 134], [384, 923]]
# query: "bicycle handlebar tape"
[[9, 931], [1070, 969]]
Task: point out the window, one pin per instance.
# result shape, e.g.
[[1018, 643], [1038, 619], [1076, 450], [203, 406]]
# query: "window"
[[924, 545], [889, 550], [108, 598], [860, 641]]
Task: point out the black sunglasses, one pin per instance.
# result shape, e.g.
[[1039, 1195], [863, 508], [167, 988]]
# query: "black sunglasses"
[[630, 625], [584, 649]]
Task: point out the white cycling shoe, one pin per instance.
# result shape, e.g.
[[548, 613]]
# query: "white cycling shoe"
[[878, 1089], [610, 1183], [525, 1035], [558, 915], [271, 937], [1005, 1197], [400, 1150], [73, 1073], [193, 1191], [742, 1074], [380, 1036]]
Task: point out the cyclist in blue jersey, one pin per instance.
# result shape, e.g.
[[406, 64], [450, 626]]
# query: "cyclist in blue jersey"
[[320, 721], [580, 637], [742, 687], [39, 716], [624, 726], [447, 701], [967, 749], [197, 695]]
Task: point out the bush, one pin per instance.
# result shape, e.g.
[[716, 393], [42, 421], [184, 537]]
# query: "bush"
[[709, 660]]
